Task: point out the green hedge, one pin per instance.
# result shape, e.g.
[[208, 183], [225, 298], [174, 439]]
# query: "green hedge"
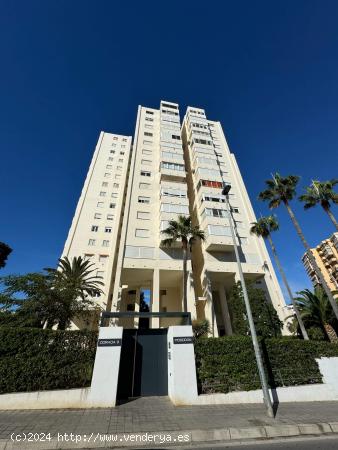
[[228, 363], [35, 359]]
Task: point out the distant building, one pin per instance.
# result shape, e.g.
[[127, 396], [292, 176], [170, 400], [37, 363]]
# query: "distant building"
[[131, 192], [326, 256]]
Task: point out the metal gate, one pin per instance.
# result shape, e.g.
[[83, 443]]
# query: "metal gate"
[[143, 364]]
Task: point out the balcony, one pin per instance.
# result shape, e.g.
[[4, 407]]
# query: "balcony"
[[172, 172], [218, 243]]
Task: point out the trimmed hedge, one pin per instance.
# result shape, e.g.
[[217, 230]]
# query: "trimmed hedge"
[[228, 363], [35, 359]]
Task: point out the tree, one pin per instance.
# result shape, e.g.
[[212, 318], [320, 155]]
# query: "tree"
[[263, 228], [182, 230], [265, 317], [283, 190], [77, 284], [5, 250], [316, 310], [321, 193]]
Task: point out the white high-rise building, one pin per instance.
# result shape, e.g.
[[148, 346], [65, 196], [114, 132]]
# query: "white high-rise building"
[[130, 194]]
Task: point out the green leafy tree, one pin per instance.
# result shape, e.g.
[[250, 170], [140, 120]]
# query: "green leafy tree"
[[5, 251], [321, 193], [182, 230], [200, 328], [263, 228], [265, 317], [316, 310], [281, 190]]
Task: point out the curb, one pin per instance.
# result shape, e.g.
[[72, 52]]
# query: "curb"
[[176, 438]]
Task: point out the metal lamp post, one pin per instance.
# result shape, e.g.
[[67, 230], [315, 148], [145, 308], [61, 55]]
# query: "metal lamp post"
[[259, 360]]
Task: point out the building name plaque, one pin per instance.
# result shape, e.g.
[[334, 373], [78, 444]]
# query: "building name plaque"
[[109, 342], [184, 340]]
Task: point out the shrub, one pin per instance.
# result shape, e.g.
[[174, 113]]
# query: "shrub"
[[35, 359], [200, 328], [228, 363]]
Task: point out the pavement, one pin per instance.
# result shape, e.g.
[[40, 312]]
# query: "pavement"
[[155, 421]]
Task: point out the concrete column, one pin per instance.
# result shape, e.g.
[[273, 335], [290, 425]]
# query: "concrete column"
[[182, 384], [155, 298], [106, 367], [191, 296], [225, 310], [209, 307]]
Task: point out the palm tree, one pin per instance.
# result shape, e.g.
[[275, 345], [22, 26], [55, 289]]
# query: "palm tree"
[[321, 193], [76, 282], [283, 190], [5, 250], [263, 228], [182, 230], [316, 309]]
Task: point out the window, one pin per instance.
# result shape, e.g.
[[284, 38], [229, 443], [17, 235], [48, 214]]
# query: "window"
[[213, 198], [112, 151], [123, 146], [116, 185], [146, 152], [143, 215], [109, 166], [149, 112], [88, 255], [147, 133], [145, 173], [110, 217], [178, 209], [94, 228], [143, 233], [149, 119], [104, 184], [112, 205], [103, 194], [144, 199], [115, 138], [167, 192], [91, 242], [121, 160], [97, 216], [114, 194], [111, 158], [169, 155], [124, 139], [219, 230], [147, 125], [201, 141], [234, 209], [100, 204], [118, 167], [213, 184], [144, 186], [105, 243], [107, 229], [100, 273], [122, 153], [146, 162], [107, 175], [117, 177], [175, 136], [103, 258], [214, 212], [172, 166], [147, 142]]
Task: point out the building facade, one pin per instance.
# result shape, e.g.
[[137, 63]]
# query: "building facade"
[[326, 256], [169, 170]]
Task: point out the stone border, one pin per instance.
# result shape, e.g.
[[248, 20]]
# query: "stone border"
[[266, 432]]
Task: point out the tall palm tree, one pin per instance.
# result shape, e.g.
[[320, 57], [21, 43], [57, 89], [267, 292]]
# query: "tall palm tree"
[[263, 228], [321, 193], [283, 190], [182, 230], [316, 310]]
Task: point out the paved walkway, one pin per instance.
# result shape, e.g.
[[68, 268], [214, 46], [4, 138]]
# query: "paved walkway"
[[158, 414]]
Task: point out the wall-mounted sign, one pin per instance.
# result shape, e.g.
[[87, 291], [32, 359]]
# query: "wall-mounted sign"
[[184, 340], [109, 343]]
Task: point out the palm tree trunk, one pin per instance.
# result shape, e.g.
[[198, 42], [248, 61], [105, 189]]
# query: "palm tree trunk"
[[185, 254], [285, 281], [313, 261], [331, 333], [332, 217]]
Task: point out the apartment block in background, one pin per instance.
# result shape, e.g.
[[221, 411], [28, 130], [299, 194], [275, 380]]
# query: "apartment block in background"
[[130, 194], [96, 226], [326, 256]]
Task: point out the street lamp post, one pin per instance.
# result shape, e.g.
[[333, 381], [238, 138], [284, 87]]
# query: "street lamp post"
[[259, 360]]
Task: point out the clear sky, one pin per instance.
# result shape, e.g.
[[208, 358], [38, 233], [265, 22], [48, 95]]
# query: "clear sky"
[[268, 70]]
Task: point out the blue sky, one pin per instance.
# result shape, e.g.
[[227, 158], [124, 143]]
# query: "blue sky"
[[267, 70]]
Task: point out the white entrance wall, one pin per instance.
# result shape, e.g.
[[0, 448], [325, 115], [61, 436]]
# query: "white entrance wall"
[[182, 383]]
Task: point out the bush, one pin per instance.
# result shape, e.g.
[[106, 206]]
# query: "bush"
[[228, 363], [35, 359]]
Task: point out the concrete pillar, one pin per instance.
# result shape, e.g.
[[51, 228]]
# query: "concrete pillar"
[[182, 384], [209, 306], [155, 298], [103, 387], [225, 310], [191, 299]]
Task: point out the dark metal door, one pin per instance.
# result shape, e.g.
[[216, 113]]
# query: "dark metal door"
[[143, 365]]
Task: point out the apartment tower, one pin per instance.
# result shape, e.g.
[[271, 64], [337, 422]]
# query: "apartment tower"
[[133, 190]]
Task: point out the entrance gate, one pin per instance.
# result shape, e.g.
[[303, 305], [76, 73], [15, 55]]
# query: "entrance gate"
[[143, 363]]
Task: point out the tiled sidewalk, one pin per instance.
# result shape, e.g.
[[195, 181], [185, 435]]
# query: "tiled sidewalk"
[[158, 414]]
